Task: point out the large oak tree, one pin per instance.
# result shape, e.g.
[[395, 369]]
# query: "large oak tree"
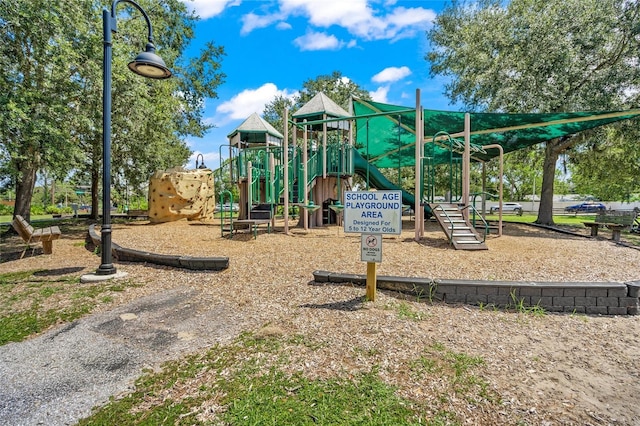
[[539, 56]]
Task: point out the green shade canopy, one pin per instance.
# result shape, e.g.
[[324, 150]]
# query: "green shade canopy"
[[385, 134]]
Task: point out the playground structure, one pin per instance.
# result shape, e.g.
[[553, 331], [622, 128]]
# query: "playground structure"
[[310, 170], [310, 175], [177, 193]]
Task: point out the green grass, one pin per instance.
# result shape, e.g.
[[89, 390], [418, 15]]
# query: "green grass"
[[564, 220], [568, 220], [246, 383], [520, 306], [9, 218], [405, 311], [30, 303]]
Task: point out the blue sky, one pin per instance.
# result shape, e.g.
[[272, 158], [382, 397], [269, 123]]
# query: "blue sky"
[[273, 46]]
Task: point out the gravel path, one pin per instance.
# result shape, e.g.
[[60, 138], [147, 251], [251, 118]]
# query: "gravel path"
[[56, 378]]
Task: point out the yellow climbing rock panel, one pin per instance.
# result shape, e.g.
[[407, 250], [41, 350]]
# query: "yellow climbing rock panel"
[[177, 194]]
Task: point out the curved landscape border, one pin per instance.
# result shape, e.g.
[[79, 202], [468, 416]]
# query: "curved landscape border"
[[124, 254]]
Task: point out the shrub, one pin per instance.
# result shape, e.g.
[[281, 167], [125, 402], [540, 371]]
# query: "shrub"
[[6, 210], [51, 210], [37, 210]]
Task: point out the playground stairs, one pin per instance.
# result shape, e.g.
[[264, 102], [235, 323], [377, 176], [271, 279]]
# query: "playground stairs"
[[261, 212], [294, 191], [459, 231]]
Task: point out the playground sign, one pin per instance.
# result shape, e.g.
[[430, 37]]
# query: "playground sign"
[[371, 248], [373, 212]]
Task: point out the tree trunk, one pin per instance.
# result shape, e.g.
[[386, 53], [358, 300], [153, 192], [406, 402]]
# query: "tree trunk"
[[545, 212], [24, 189], [552, 151], [95, 184]]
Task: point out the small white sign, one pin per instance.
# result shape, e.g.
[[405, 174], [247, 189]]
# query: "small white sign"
[[373, 212], [371, 248]]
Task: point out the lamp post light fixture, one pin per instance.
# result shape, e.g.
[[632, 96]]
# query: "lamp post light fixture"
[[146, 64]]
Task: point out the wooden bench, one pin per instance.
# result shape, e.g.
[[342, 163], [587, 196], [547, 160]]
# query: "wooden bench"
[[616, 221], [137, 213], [31, 235]]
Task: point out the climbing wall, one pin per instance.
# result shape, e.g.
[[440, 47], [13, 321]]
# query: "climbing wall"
[[177, 194]]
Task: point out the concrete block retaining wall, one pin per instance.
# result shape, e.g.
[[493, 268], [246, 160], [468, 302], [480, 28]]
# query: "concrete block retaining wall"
[[601, 298]]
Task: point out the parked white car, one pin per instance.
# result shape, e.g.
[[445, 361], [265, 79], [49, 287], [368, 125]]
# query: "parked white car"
[[227, 207], [507, 207]]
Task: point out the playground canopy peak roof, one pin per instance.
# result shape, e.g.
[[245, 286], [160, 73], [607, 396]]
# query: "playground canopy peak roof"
[[255, 130], [385, 134], [321, 107]]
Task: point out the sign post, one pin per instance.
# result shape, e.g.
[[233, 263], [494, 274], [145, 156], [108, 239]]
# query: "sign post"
[[372, 214]]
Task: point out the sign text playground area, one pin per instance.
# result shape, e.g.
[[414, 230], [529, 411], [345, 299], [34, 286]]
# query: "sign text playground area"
[[373, 212]]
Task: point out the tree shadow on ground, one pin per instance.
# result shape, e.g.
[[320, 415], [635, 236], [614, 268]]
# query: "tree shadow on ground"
[[59, 271], [15, 254], [346, 305]]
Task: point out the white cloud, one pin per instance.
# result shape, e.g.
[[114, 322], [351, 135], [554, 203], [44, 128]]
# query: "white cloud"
[[317, 41], [328, 12], [391, 74], [209, 8], [282, 25], [209, 121], [402, 17], [406, 22], [251, 21], [360, 18], [380, 95], [247, 102], [364, 19]]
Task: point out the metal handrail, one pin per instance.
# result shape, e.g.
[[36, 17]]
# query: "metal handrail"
[[450, 236], [486, 225]]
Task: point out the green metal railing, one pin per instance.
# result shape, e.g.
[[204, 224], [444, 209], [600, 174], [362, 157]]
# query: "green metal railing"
[[255, 185], [475, 214], [429, 168], [339, 159], [339, 163], [313, 171]]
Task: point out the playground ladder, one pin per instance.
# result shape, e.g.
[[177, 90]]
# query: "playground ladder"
[[459, 231], [226, 215]]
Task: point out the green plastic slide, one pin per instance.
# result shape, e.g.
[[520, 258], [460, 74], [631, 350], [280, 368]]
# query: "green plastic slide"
[[378, 181]]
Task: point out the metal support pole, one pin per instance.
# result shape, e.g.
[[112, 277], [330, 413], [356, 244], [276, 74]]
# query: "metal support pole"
[[418, 211], [305, 184], [286, 171], [146, 64], [106, 267], [466, 165]]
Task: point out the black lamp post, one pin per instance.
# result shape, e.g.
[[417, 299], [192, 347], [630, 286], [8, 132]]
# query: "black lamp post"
[[146, 64]]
